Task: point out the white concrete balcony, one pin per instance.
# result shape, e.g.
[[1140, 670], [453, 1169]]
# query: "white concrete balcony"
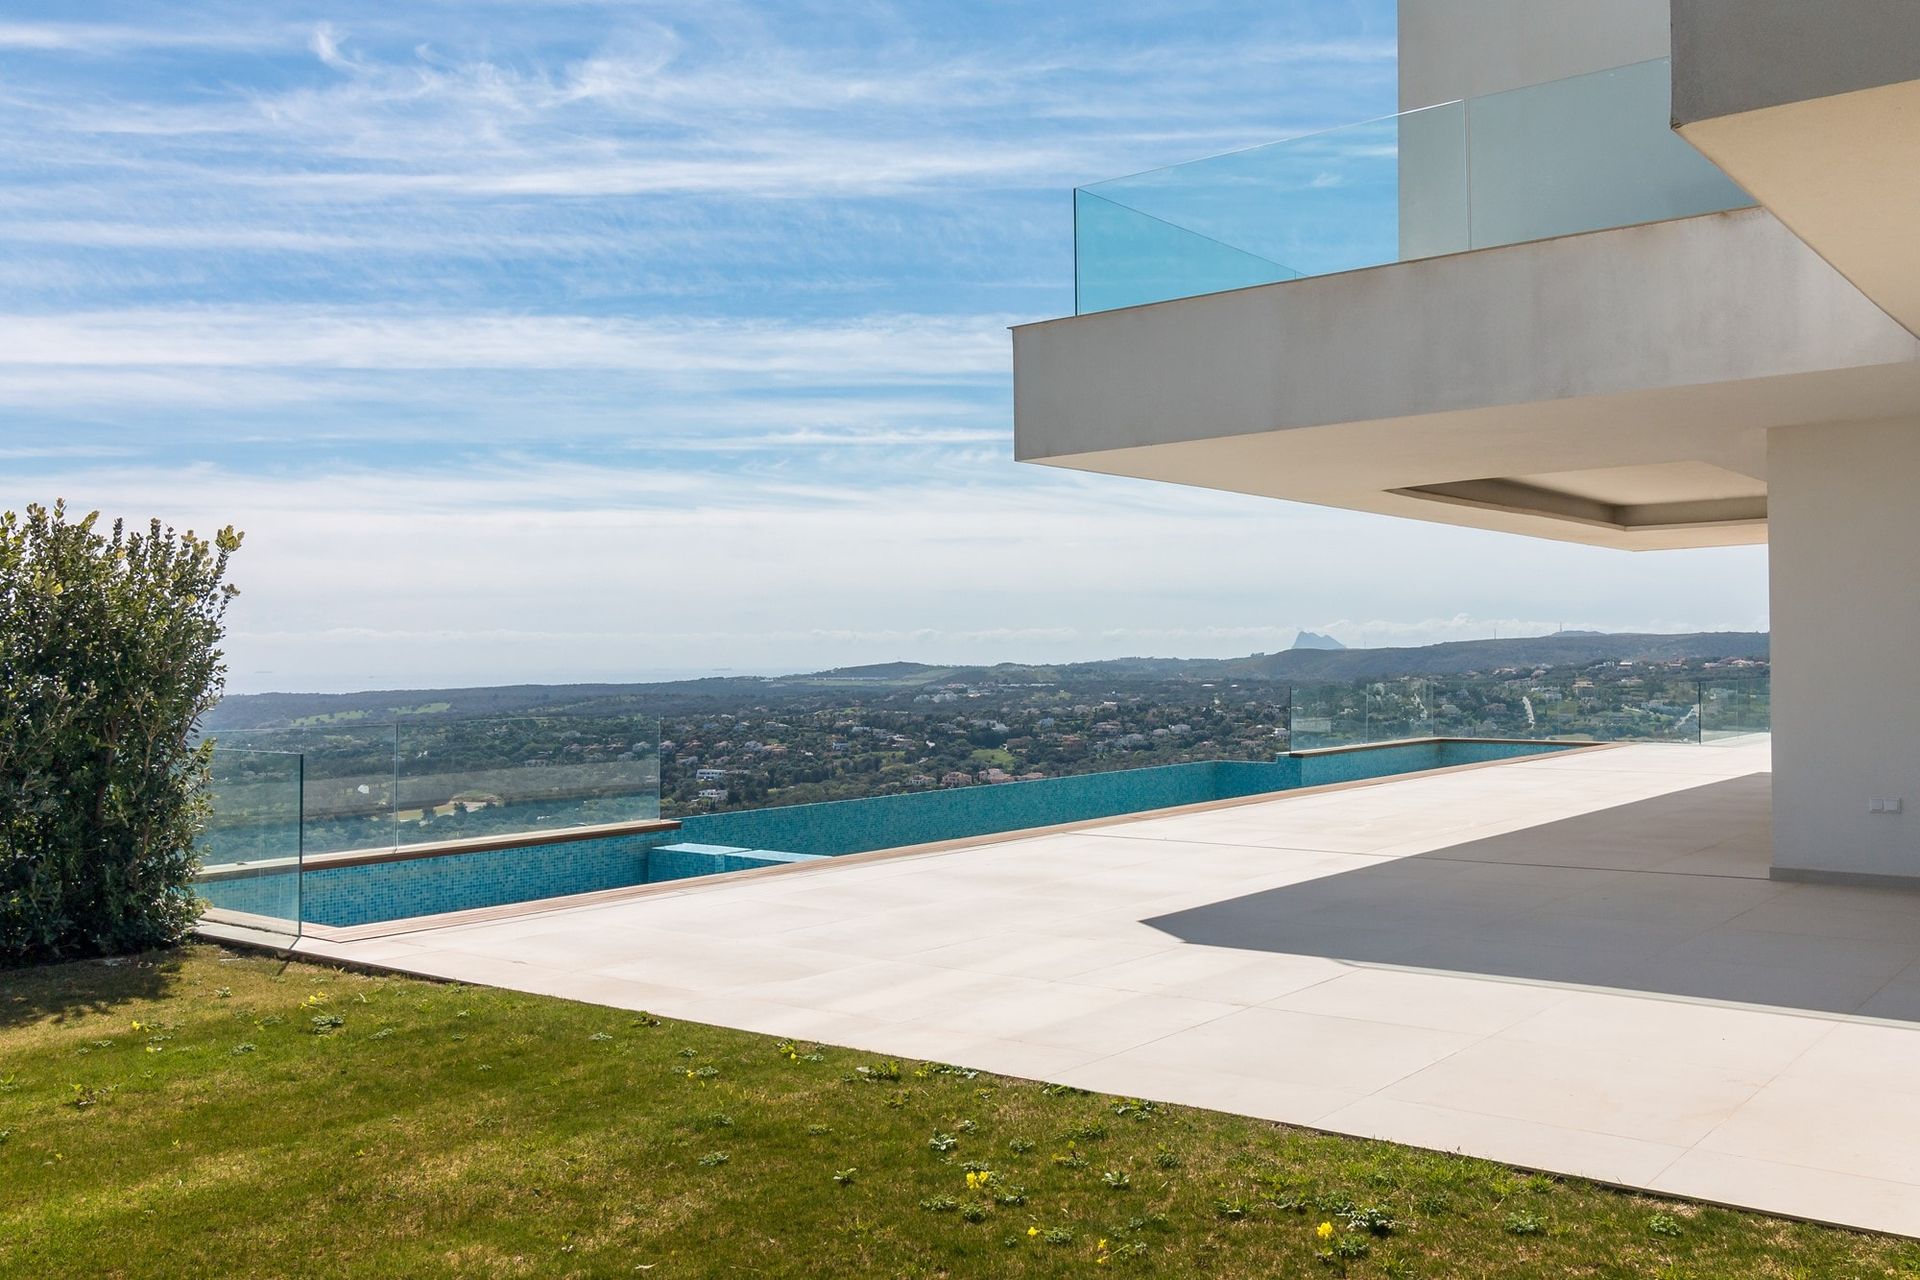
[[1537, 311]]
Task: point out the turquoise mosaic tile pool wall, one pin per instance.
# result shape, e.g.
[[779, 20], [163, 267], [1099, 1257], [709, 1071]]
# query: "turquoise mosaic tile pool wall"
[[709, 844]]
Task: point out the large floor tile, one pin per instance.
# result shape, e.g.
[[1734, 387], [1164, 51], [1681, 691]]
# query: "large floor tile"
[[1344, 1054], [1532, 1144], [1470, 1006], [1796, 1190], [1648, 1099]]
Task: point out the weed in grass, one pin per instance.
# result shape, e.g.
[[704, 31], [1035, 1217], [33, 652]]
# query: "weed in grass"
[[974, 1211], [1136, 1108], [1232, 1208], [1019, 1146], [326, 1023], [819, 1130], [1165, 1158], [1010, 1196], [714, 1159], [242, 1047], [940, 1204], [89, 1095], [1663, 1224], [1372, 1219], [943, 1142], [1351, 1248], [887, 1072], [599, 1037], [845, 1177], [1116, 1180], [1524, 1224]]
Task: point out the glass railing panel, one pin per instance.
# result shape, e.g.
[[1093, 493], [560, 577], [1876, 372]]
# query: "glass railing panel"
[[249, 844], [1572, 155], [462, 779], [1326, 715], [349, 769], [1398, 709], [1634, 708], [1583, 154], [1644, 708], [1125, 258], [1351, 197], [1735, 708]]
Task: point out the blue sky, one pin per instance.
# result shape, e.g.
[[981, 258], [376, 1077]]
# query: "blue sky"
[[571, 340]]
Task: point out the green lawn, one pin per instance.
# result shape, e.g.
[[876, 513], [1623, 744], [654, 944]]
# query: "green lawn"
[[204, 1113]]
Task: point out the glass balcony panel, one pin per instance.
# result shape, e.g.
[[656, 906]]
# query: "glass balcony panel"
[[1552, 159], [1124, 258], [1584, 154]]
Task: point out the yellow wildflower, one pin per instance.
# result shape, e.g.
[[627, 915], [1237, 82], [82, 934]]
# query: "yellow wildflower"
[[1324, 1231], [1032, 1232]]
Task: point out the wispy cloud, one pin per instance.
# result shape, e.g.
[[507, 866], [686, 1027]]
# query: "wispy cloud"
[[99, 38]]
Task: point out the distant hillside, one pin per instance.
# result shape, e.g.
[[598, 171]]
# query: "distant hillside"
[[684, 697], [1460, 656]]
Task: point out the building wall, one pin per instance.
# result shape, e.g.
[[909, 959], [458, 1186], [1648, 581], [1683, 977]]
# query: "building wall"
[[1464, 48], [1845, 534], [1731, 56]]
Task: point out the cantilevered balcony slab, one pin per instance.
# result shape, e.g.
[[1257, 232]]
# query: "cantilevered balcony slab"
[[1815, 110], [1612, 388]]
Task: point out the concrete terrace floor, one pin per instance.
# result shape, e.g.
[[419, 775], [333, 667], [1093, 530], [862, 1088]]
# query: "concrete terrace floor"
[[1574, 963]]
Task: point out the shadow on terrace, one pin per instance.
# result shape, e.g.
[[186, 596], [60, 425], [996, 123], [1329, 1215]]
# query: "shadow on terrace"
[[1668, 896]]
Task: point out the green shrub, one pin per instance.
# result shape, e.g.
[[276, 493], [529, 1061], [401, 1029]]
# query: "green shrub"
[[108, 657]]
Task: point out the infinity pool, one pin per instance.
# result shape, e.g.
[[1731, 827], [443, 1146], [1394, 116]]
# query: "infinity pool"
[[366, 892]]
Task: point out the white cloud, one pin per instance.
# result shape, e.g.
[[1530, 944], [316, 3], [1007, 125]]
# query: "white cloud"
[[96, 38], [895, 349]]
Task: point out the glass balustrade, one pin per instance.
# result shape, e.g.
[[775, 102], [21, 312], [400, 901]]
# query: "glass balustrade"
[[1554, 159]]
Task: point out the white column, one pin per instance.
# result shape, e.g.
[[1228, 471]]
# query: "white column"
[[1843, 516]]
